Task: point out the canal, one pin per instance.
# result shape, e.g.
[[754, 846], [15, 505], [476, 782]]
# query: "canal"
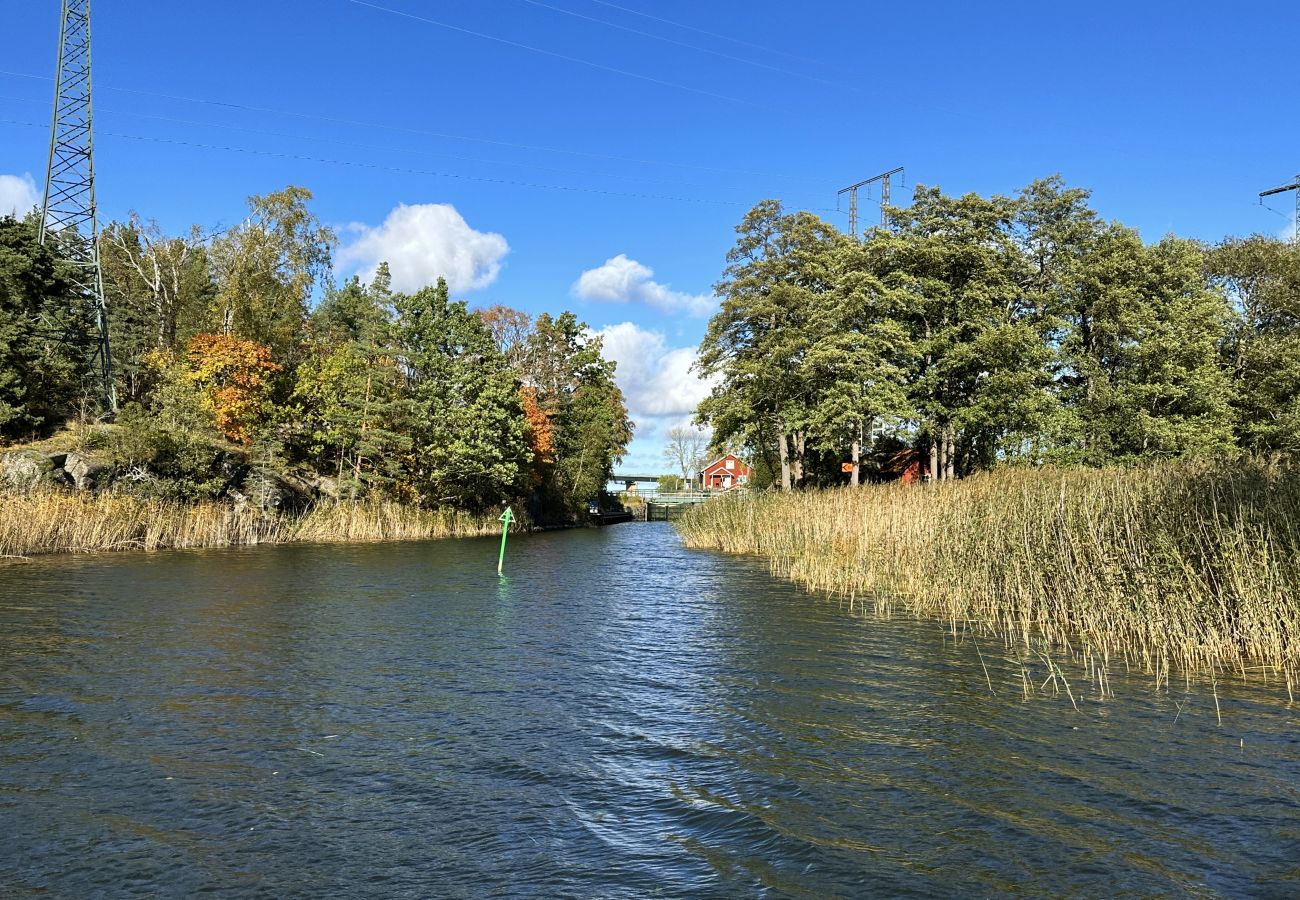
[[619, 717]]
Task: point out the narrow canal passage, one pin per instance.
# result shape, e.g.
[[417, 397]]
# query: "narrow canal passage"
[[620, 717]]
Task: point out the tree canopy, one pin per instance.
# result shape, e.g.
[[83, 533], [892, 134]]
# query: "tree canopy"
[[974, 331]]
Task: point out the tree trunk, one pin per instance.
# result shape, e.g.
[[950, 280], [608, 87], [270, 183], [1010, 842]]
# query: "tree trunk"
[[785, 461], [935, 472], [800, 438], [857, 457], [948, 454]]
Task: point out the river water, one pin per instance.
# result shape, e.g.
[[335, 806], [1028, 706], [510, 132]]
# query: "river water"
[[619, 717]]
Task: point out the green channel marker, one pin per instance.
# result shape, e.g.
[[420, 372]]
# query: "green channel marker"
[[506, 518]]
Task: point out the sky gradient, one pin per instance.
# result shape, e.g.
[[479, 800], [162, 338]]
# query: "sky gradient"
[[596, 155]]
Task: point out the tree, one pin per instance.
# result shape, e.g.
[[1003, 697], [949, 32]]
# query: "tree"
[[44, 332], [861, 356], [355, 313], [574, 388], [267, 268], [778, 273], [231, 375], [685, 448], [158, 288], [982, 381], [467, 427], [1261, 277], [511, 330], [348, 405]]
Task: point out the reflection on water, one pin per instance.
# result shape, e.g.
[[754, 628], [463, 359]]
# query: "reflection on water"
[[619, 717]]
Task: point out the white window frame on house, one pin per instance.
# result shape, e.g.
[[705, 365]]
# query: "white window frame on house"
[[731, 464]]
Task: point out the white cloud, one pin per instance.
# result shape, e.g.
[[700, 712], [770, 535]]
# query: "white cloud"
[[422, 242], [624, 280], [17, 195], [1288, 233], [660, 388]]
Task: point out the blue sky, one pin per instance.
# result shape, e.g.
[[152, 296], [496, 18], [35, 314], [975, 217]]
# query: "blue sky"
[[624, 138]]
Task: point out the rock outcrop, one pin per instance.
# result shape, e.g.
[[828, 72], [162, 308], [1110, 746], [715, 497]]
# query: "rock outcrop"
[[23, 470]]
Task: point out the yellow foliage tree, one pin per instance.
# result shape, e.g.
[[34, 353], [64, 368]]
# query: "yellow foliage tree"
[[234, 375]]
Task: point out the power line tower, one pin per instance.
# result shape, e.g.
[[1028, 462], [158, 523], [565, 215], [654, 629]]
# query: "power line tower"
[[852, 191], [1293, 186], [69, 218]]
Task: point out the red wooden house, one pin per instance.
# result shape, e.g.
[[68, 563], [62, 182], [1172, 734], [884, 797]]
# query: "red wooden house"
[[724, 474]]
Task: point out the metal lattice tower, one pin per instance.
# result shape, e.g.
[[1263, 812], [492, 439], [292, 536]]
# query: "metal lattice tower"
[[69, 218], [852, 191], [1293, 186]]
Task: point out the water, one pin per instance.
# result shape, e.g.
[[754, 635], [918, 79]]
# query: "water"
[[620, 718]]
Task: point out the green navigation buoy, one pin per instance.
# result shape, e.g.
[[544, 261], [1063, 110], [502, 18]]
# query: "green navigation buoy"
[[506, 518]]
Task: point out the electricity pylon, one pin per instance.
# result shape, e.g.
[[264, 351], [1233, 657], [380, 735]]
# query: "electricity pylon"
[[1293, 186], [69, 217], [852, 191]]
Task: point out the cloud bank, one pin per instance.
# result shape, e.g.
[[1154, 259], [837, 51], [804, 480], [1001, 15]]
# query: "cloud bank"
[[660, 388], [422, 242], [17, 195], [624, 280]]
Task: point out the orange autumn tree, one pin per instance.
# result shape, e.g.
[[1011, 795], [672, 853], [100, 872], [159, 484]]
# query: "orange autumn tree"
[[233, 375], [540, 434]]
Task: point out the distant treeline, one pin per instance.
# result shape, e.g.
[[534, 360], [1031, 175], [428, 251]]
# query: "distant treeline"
[[978, 331], [241, 344]]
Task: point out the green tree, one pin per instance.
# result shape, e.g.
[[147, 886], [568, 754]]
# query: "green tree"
[[267, 269], [468, 430], [780, 271], [158, 289], [861, 355], [1143, 353], [575, 389], [348, 405], [44, 332], [350, 416], [355, 313], [982, 381], [1261, 276]]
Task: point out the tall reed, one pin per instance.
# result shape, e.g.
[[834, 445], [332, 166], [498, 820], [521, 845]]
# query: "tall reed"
[[1189, 566], [60, 522]]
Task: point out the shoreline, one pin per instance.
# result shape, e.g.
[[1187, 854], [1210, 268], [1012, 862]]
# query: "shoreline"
[[51, 523], [1187, 567]]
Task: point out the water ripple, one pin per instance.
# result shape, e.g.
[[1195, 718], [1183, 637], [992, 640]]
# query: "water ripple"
[[619, 717]]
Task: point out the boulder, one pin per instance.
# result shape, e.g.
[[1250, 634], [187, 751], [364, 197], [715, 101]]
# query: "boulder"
[[272, 490], [22, 470], [85, 472], [320, 487]]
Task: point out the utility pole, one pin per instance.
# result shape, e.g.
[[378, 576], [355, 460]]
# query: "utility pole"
[[852, 191], [69, 216], [1293, 186]]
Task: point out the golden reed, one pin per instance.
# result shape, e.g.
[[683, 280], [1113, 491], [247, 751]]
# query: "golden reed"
[[1189, 566], [59, 522]]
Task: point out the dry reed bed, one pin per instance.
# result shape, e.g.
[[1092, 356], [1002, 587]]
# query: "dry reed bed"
[[1191, 567], [58, 522]]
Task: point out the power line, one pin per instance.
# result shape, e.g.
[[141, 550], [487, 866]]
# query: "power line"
[[714, 34], [677, 43], [358, 123], [409, 171], [383, 148], [555, 55]]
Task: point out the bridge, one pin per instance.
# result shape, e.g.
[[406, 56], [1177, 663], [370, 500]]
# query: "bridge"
[[628, 480]]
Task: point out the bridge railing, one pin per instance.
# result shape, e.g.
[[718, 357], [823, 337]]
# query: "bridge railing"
[[679, 496]]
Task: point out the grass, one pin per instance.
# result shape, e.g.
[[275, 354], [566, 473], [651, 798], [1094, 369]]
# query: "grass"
[[60, 522], [1179, 566]]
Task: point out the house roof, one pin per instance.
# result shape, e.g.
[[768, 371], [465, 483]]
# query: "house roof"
[[722, 459]]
